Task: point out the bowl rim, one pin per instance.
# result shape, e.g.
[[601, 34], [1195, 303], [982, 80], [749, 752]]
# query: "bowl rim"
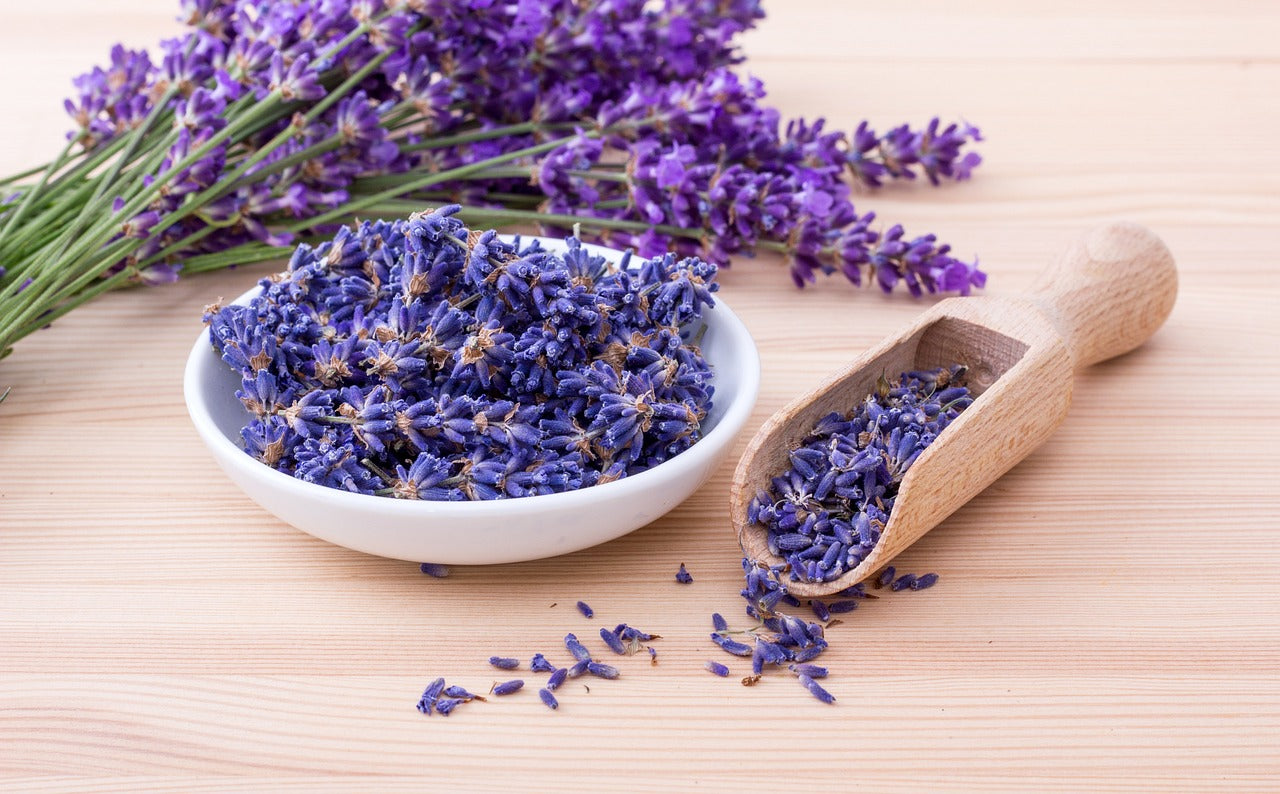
[[746, 361]]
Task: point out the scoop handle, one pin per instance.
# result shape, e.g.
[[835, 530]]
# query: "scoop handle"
[[1109, 291]]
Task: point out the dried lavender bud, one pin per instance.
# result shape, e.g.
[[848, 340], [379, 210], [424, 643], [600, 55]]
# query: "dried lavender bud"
[[601, 670], [578, 669], [683, 576], [716, 668], [903, 582], [718, 621], [508, 687], [840, 607], [557, 678], [430, 695], [585, 609], [632, 633], [613, 641], [925, 582], [539, 664], [549, 699], [445, 706], [817, 691], [576, 648], [460, 693], [886, 576], [653, 655], [820, 610], [811, 670], [731, 646], [504, 663], [433, 569]]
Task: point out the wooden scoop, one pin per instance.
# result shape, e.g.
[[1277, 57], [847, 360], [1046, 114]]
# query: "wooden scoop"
[[1104, 296]]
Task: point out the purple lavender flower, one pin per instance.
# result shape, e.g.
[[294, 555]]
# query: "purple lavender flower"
[[586, 610], [715, 668], [683, 576], [539, 664], [508, 687], [504, 663], [602, 670], [614, 642], [557, 678], [576, 649], [549, 699], [925, 581], [815, 689], [432, 569], [430, 695]]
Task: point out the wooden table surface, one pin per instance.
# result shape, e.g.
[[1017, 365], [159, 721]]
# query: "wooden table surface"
[[1109, 612]]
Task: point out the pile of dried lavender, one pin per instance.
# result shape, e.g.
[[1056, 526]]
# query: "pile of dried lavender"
[[421, 360], [824, 515]]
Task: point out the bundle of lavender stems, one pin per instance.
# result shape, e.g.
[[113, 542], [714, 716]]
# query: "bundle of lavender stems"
[[268, 124]]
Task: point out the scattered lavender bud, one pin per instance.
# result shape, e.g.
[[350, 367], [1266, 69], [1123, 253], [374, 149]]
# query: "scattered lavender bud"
[[683, 576], [504, 662], [586, 609], [719, 622], [717, 669], [557, 678], [577, 649], [653, 655], [613, 641], [460, 693], [578, 669], [817, 691], [925, 582], [632, 633], [907, 580], [539, 664], [432, 569], [602, 670], [838, 607], [549, 699], [811, 670], [445, 706], [429, 696], [508, 687], [886, 576], [731, 646], [820, 609]]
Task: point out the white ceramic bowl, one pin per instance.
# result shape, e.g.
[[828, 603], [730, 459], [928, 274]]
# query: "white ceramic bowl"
[[478, 533]]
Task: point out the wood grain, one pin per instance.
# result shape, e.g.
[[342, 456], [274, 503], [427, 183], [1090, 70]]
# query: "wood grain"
[[1109, 611]]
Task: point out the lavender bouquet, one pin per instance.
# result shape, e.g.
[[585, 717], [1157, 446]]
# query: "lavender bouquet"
[[267, 124]]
